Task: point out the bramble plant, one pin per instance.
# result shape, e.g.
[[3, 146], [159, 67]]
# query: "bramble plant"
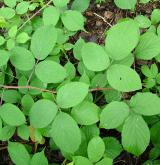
[[51, 87]]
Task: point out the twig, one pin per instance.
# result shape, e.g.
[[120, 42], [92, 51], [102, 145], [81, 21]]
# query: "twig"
[[30, 76], [46, 90], [100, 89], [29, 19], [1, 100], [3, 148], [27, 87], [102, 19]]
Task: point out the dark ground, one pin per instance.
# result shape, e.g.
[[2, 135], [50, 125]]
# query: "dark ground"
[[99, 19]]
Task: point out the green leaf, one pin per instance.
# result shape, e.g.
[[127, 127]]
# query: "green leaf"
[[22, 59], [80, 5], [135, 135], [155, 16], [27, 102], [22, 7], [90, 131], [146, 71], [18, 153], [94, 57], [123, 78], [127, 61], [1, 124], [125, 4], [4, 57], [10, 3], [39, 159], [70, 69], [60, 3], [79, 160], [7, 12], [99, 80], [42, 113], [144, 1], [77, 48], [112, 147], [12, 115], [22, 38], [96, 148], [155, 134], [66, 133], [105, 161], [2, 40], [129, 31], [114, 114], [73, 20], [51, 15], [145, 104], [143, 21], [13, 31], [71, 94], [10, 44], [86, 113], [148, 47], [23, 132], [11, 96], [154, 153], [43, 41], [37, 83], [46, 68], [22, 82], [7, 132]]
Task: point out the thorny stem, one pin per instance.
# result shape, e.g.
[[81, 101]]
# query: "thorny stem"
[[46, 90]]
